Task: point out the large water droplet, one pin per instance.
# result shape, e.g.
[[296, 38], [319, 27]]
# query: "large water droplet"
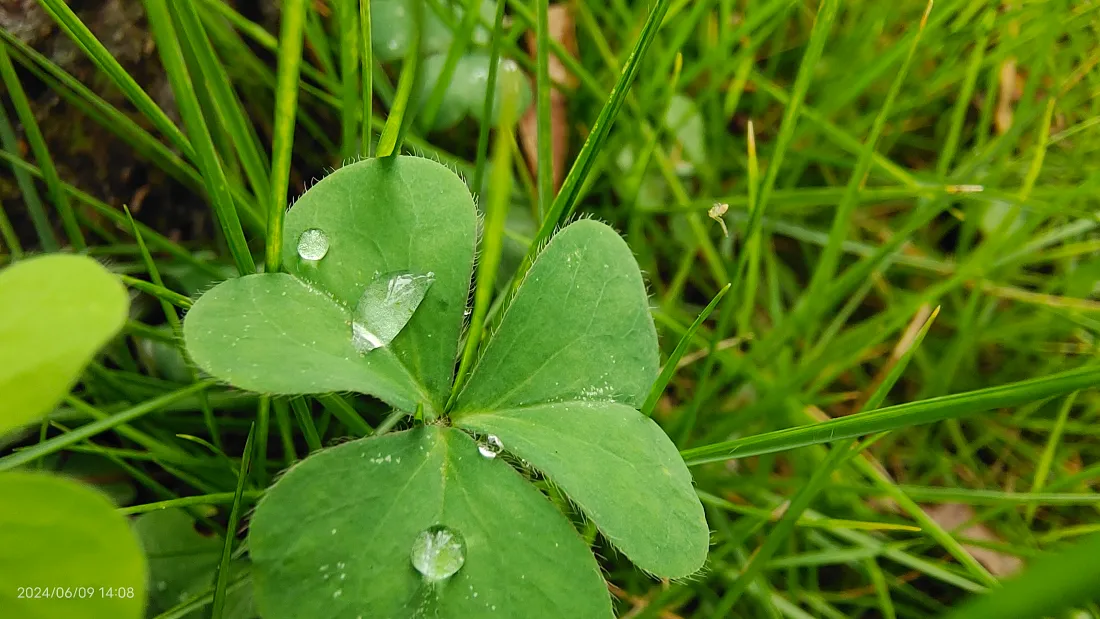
[[438, 553], [312, 245], [491, 447], [386, 306]]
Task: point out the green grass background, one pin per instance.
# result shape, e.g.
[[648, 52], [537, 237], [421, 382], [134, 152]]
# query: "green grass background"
[[879, 160]]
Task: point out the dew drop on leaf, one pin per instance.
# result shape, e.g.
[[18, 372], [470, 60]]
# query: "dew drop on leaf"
[[312, 245], [491, 447], [386, 306], [438, 553]]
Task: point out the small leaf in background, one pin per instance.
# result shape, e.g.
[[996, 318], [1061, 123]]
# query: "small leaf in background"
[[465, 95], [417, 523], [65, 542], [392, 24], [182, 562], [56, 311]]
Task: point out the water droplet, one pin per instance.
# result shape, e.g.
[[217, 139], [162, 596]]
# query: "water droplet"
[[386, 306], [491, 447], [438, 553], [312, 245]]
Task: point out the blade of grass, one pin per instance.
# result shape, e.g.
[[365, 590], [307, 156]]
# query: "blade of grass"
[[366, 53], [7, 232], [58, 443], [156, 239], [566, 201], [286, 105], [174, 322], [41, 222], [899, 416], [343, 411], [347, 19], [160, 22], [399, 117], [221, 578], [543, 178], [305, 422], [1042, 469], [492, 237], [677, 353], [490, 92], [218, 498], [242, 133], [78, 32], [37, 143], [822, 472], [838, 233]]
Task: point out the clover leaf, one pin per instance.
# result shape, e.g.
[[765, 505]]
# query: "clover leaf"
[[428, 521]]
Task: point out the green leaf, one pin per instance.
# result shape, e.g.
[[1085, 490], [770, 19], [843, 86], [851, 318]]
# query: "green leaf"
[[392, 24], [292, 334], [465, 94], [56, 311], [334, 537], [60, 537], [575, 354], [182, 562], [620, 468], [579, 328]]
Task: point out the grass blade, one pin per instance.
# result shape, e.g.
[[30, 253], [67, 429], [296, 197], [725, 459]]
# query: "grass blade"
[[37, 212], [366, 41], [286, 106], [41, 153], [347, 18], [677, 353], [899, 416], [160, 22], [57, 443], [566, 201], [242, 133], [543, 178], [830, 256], [490, 91], [1042, 469], [821, 474], [390, 141], [492, 238], [71, 24], [222, 577]]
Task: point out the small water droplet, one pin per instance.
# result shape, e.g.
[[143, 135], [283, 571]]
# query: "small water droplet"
[[491, 447], [385, 307], [438, 552], [312, 245]]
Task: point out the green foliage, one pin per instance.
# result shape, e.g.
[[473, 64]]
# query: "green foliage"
[[914, 157], [558, 383], [182, 561], [334, 536], [56, 312], [58, 565]]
